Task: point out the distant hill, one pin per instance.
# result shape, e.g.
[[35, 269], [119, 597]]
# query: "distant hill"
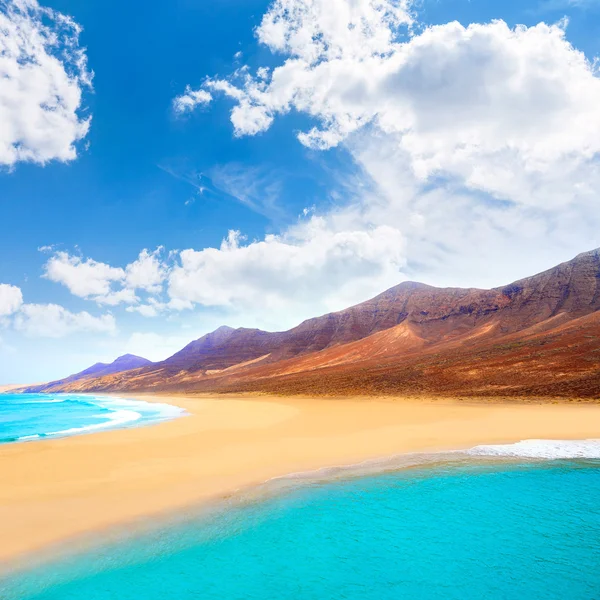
[[127, 362], [536, 336]]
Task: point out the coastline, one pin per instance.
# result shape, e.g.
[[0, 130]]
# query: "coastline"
[[104, 412], [60, 491]]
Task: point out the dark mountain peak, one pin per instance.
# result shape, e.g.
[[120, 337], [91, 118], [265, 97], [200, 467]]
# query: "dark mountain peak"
[[225, 332], [412, 285], [581, 263], [98, 365], [220, 349], [213, 337], [224, 329], [127, 362], [590, 254], [130, 358], [123, 363], [572, 287], [216, 337]]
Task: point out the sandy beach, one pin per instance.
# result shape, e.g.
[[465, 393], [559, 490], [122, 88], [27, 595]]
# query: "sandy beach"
[[60, 490]]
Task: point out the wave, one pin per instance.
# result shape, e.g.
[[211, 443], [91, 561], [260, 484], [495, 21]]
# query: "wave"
[[150, 411], [541, 449], [115, 419], [525, 450], [50, 401], [66, 419], [122, 412]]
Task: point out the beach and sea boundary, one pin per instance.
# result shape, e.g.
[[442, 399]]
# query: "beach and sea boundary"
[[59, 492]]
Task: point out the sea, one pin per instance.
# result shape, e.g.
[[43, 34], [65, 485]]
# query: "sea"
[[28, 417], [518, 521]]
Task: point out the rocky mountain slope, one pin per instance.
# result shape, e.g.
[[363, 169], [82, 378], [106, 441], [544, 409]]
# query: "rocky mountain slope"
[[539, 335], [127, 362]]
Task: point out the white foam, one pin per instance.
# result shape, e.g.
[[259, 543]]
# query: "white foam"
[[51, 401], [115, 419], [124, 413], [544, 449], [26, 438], [117, 413], [150, 411]]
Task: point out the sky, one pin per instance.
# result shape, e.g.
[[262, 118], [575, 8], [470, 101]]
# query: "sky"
[[170, 167]]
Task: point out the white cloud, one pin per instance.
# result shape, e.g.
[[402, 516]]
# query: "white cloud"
[[83, 278], [310, 268], [336, 35], [114, 298], [191, 99], [104, 284], [146, 273], [475, 162], [511, 112], [54, 321], [11, 299], [310, 32], [47, 320], [315, 30], [476, 143], [152, 308], [43, 72]]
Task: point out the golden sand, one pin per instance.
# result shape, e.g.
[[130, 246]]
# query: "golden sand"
[[61, 489]]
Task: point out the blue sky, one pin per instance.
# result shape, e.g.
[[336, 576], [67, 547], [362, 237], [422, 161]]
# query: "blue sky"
[[442, 153]]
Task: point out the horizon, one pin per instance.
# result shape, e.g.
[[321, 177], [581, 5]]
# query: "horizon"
[[168, 169]]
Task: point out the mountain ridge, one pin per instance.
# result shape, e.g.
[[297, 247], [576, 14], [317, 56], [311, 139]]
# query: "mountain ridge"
[[407, 320], [126, 362]]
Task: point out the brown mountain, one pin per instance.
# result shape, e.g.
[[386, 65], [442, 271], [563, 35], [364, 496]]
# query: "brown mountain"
[[127, 362], [536, 336]]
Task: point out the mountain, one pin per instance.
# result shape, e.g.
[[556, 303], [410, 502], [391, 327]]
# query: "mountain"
[[123, 363], [127, 362], [536, 336]]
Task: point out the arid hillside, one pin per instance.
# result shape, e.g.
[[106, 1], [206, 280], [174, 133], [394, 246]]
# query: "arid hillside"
[[536, 336]]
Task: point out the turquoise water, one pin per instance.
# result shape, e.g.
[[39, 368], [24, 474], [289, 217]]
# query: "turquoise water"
[[26, 417], [464, 530]]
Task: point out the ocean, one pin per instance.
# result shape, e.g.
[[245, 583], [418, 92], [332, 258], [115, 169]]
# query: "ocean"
[[25, 417], [497, 522]]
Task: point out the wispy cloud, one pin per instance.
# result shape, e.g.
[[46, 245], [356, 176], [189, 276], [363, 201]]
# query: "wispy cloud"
[[190, 99], [257, 188]]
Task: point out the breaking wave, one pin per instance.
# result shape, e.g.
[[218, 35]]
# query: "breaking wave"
[[542, 449]]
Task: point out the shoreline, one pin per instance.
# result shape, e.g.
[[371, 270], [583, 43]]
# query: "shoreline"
[[122, 412], [61, 492], [100, 542], [209, 509]]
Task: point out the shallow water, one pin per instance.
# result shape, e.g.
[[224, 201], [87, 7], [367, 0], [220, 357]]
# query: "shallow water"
[[25, 417], [457, 530]]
